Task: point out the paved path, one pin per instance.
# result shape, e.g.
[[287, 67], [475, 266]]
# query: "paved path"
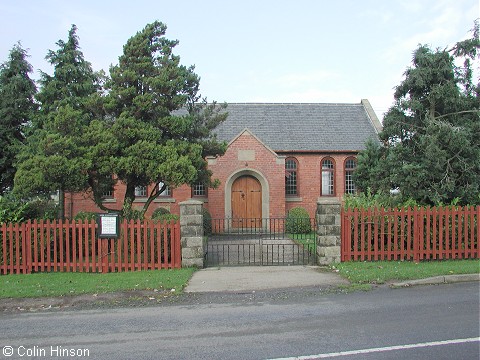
[[235, 279], [256, 278]]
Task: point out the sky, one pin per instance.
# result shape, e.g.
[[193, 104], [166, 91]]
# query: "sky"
[[301, 51]]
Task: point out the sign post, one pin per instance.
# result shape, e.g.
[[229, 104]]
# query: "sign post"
[[108, 228]]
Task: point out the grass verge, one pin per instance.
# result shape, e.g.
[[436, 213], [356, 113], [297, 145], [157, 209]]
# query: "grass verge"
[[380, 272], [307, 240], [65, 284]]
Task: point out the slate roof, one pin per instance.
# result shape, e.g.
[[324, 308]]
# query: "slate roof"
[[302, 127]]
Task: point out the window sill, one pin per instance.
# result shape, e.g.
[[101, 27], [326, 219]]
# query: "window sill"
[[109, 200], [164, 200], [200, 198], [293, 199]]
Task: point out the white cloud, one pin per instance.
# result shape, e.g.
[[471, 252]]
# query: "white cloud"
[[441, 30]]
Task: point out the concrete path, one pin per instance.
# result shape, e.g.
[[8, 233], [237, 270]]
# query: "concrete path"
[[251, 278]]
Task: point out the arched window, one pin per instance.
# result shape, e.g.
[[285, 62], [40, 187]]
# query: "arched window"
[[291, 177], [350, 165], [328, 177]]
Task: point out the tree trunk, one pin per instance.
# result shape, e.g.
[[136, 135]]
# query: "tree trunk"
[[155, 193], [128, 199], [61, 204]]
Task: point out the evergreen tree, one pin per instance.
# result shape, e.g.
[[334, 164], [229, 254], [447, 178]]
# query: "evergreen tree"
[[54, 158], [17, 109], [431, 134], [161, 132], [150, 126], [73, 85]]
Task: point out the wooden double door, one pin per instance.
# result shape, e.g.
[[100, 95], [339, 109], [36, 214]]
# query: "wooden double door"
[[247, 203]]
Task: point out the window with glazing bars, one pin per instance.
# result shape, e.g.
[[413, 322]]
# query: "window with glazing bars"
[[327, 177], [291, 178], [108, 194], [199, 190], [140, 191], [350, 166], [166, 192]]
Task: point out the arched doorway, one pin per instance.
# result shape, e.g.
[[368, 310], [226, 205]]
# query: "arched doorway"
[[246, 202]]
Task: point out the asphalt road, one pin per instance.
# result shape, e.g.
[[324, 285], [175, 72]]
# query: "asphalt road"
[[427, 322]]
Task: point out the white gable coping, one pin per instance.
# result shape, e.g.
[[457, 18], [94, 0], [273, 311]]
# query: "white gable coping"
[[372, 116]]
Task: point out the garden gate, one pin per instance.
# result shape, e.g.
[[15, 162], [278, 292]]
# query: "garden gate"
[[257, 241]]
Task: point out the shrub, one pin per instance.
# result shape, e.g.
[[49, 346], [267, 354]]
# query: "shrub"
[[162, 214], [168, 217], [11, 210], [14, 210], [207, 222], [42, 208], [369, 200], [86, 215], [158, 212], [298, 221]]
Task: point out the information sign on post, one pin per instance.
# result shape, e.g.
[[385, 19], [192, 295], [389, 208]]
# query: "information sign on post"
[[108, 226]]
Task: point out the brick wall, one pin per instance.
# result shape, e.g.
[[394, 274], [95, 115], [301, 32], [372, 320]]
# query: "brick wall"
[[309, 179], [76, 202], [246, 155]]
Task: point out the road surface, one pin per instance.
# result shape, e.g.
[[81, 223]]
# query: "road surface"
[[427, 322]]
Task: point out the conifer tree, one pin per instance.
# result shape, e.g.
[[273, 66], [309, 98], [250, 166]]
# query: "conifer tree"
[[149, 126], [17, 110], [431, 136], [54, 158], [161, 126]]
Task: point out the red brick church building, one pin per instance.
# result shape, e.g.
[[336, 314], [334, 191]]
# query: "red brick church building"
[[279, 156]]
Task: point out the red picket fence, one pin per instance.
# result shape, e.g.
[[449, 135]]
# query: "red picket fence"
[[73, 246], [410, 234]]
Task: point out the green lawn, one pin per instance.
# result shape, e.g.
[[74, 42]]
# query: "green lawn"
[[310, 236], [379, 272], [307, 240], [64, 284]]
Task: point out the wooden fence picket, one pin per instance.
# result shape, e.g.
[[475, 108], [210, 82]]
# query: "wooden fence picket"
[[410, 234], [72, 246]]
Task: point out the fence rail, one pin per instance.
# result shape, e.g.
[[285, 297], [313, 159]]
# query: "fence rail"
[[73, 246], [410, 234]]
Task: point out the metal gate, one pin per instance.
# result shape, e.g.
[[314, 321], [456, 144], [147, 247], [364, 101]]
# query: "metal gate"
[[240, 242]]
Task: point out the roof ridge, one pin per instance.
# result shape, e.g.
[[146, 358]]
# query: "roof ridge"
[[291, 103]]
